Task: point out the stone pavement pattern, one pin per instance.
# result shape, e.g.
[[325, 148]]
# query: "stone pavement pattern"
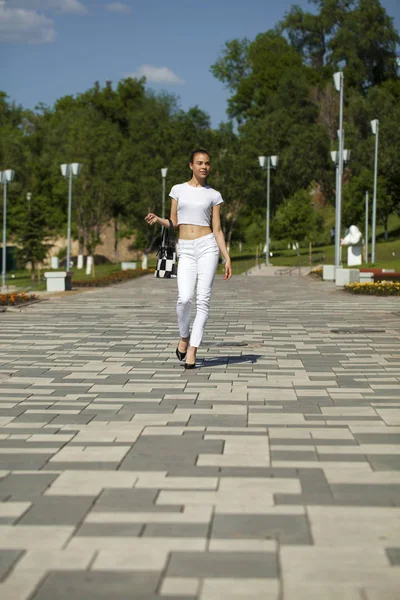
[[271, 472]]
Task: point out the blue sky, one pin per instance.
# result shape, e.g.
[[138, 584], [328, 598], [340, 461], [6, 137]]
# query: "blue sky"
[[51, 48]]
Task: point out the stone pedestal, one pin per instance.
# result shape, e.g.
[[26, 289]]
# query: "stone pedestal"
[[354, 256], [328, 272], [346, 276], [128, 265], [58, 281]]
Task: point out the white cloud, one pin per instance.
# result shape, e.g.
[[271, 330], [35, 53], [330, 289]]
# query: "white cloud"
[[119, 7], [62, 6], [157, 75], [26, 26]]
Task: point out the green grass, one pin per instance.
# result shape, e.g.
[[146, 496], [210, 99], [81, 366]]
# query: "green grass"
[[22, 278]]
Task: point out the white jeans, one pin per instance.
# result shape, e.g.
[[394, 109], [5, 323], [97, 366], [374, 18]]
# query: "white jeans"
[[198, 260]]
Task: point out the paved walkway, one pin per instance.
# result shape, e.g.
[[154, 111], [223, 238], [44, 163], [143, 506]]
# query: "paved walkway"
[[272, 472]]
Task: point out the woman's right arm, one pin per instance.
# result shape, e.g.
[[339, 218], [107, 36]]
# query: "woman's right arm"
[[152, 219]]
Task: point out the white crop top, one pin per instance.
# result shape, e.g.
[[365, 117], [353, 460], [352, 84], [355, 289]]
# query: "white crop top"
[[195, 203]]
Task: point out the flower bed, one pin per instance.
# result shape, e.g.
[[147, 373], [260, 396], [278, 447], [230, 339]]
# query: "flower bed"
[[117, 277], [316, 273], [15, 298], [381, 288]]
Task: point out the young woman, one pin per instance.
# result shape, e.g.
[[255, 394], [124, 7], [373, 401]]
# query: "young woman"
[[195, 208]]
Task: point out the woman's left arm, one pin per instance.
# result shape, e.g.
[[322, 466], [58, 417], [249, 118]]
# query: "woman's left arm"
[[220, 239]]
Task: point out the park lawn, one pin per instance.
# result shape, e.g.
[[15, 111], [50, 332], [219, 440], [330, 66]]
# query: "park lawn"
[[22, 279]]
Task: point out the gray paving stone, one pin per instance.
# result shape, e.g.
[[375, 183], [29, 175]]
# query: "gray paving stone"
[[136, 500], [236, 565], [384, 462], [25, 486], [287, 529], [394, 555], [55, 510], [8, 558], [162, 452], [110, 530], [168, 530], [24, 462], [78, 585]]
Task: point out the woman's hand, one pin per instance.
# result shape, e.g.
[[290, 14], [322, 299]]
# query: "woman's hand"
[[151, 219], [228, 270]]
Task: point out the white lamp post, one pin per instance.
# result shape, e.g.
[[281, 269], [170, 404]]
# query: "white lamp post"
[[266, 162], [335, 158], [70, 170], [5, 177], [375, 131], [366, 225], [163, 175], [339, 85]]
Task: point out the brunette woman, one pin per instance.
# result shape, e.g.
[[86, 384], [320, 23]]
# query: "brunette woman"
[[195, 209]]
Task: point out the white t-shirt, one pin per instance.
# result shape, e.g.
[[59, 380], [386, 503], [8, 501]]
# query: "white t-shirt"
[[195, 203]]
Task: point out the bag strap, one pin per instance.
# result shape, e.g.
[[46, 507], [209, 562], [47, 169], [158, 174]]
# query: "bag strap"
[[167, 237], [171, 233]]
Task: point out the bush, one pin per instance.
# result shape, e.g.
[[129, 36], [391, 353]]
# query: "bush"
[[17, 298], [117, 277], [316, 273], [380, 288]]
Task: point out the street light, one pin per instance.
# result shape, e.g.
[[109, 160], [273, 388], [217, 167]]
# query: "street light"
[[5, 177], [268, 161], [69, 170], [366, 226], [335, 158], [163, 175], [375, 131], [339, 85]]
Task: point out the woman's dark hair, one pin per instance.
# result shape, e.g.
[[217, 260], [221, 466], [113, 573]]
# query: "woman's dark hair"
[[198, 151]]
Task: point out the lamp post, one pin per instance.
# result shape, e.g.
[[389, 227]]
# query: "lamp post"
[[339, 85], [164, 172], [336, 159], [375, 131], [70, 170], [267, 161], [5, 177], [366, 225]]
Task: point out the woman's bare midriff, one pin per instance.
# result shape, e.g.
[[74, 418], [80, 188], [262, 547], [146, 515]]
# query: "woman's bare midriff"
[[192, 232]]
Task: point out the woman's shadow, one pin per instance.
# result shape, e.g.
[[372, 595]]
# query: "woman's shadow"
[[219, 361]]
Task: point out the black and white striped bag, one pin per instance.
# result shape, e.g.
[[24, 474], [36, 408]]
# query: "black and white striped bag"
[[166, 255]]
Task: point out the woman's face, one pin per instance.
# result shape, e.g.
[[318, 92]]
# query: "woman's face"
[[201, 165]]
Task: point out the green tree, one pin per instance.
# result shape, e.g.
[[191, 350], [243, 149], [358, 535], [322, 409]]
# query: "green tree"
[[297, 220]]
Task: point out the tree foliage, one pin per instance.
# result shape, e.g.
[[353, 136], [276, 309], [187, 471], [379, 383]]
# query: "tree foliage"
[[282, 102]]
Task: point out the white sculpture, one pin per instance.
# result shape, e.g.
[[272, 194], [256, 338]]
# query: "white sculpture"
[[353, 241]]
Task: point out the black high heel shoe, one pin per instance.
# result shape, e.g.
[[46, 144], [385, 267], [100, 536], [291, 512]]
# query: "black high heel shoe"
[[190, 365], [180, 355]]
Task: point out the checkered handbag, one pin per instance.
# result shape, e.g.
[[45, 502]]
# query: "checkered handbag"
[[166, 255]]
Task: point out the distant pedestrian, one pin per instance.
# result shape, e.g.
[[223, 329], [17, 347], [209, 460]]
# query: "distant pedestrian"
[[195, 209], [332, 235]]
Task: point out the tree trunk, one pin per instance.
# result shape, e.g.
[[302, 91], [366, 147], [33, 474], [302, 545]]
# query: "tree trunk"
[[81, 243], [116, 231], [386, 226]]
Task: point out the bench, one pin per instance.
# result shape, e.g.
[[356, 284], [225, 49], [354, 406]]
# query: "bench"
[[379, 275]]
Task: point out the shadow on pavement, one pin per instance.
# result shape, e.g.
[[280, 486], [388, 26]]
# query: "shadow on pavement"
[[231, 360]]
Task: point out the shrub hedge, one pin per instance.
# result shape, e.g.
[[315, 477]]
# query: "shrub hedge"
[[117, 277], [380, 288]]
